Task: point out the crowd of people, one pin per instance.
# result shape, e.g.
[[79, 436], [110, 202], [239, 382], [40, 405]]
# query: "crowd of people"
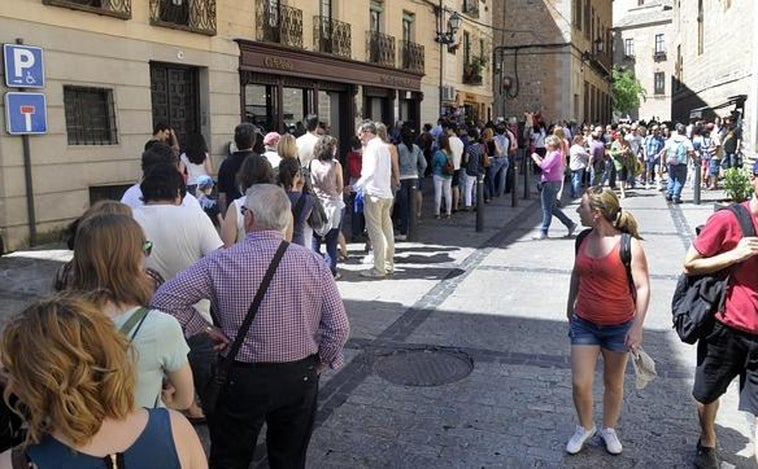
[[175, 273]]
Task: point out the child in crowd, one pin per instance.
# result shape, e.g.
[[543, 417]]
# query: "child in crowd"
[[207, 201]]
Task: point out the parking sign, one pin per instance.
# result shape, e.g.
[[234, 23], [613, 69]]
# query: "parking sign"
[[24, 66], [26, 113]]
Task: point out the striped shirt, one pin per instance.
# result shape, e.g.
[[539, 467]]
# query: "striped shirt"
[[301, 314]]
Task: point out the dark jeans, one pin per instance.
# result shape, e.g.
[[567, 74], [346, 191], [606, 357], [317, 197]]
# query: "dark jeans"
[[201, 357], [677, 179], [404, 204], [281, 394], [357, 221], [331, 247]]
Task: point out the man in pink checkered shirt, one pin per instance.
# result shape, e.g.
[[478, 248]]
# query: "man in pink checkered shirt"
[[299, 330]]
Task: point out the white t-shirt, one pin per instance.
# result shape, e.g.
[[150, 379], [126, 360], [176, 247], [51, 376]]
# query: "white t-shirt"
[[273, 158], [193, 170], [305, 144], [578, 157], [456, 146], [180, 236], [133, 198], [376, 171]]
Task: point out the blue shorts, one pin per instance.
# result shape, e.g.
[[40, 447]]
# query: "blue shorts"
[[713, 168], [583, 332]]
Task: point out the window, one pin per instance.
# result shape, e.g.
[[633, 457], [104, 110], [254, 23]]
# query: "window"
[[587, 14], [659, 83], [640, 3], [660, 45], [629, 47], [90, 118], [700, 28], [325, 8], [375, 20], [408, 19], [466, 47], [578, 15]]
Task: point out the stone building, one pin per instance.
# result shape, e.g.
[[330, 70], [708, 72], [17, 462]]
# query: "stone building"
[[115, 68], [642, 31], [716, 68], [553, 56]]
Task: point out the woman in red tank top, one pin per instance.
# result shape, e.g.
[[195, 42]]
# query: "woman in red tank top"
[[606, 310]]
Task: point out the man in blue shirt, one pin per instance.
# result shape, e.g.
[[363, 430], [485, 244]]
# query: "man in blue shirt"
[[652, 147]]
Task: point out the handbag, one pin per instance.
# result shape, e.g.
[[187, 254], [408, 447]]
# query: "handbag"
[[220, 371], [317, 219]]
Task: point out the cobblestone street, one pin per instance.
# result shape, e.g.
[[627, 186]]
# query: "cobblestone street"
[[497, 299]]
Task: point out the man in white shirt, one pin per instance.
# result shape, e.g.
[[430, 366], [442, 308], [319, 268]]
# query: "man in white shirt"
[[375, 183], [307, 141], [456, 146]]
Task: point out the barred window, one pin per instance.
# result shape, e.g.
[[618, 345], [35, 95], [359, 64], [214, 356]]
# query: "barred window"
[[90, 117], [659, 83]]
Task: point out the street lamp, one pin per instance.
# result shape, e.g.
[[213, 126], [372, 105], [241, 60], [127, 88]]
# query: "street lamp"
[[453, 24]]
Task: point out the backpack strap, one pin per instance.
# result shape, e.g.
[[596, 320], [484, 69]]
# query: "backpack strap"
[[744, 218], [19, 459], [625, 252], [137, 318], [579, 238]]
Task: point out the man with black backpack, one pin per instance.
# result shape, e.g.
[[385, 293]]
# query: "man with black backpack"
[[730, 348]]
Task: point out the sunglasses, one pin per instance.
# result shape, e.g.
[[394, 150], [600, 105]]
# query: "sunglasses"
[[147, 248]]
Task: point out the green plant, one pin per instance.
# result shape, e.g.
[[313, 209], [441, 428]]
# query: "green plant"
[[737, 184], [626, 91]]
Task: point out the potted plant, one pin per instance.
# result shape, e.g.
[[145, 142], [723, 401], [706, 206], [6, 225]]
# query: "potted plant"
[[473, 70], [737, 184]]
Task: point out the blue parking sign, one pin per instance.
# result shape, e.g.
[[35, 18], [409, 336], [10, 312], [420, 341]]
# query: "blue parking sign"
[[24, 66], [25, 113]]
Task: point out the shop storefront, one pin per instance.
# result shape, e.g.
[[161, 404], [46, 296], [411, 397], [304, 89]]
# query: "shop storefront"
[[280, 85]]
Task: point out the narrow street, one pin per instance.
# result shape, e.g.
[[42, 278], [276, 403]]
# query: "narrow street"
[[476, 322]]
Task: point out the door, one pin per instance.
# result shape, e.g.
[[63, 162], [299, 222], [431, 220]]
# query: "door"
[[174, 96]]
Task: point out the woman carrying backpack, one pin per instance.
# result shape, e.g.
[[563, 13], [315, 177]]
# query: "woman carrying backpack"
[[607, 303], [442, 173]]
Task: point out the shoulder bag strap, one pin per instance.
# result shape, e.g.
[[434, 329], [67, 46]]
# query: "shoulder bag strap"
[[625, 252], [248, 321], [579, 238], [136, 317]]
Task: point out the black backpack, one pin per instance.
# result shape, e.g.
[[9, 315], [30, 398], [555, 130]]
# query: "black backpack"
[[697, 298], [625, 253]]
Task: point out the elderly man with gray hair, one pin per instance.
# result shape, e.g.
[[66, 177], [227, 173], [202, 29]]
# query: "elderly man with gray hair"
[[299, 330]]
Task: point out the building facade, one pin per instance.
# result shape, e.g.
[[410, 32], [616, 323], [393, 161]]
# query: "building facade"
[[716, 64], [553, 57], [642, 31], [113, 69]]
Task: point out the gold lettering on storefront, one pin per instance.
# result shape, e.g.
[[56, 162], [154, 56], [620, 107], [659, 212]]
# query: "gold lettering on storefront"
[[277, 63], [395, 81]]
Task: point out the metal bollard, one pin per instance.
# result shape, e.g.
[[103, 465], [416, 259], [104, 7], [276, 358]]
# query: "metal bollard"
[[514, 199], [412, 218], [479, 204], [527, 169], [697, 181]]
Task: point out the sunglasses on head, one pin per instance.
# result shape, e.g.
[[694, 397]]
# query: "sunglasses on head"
[[147, 247]]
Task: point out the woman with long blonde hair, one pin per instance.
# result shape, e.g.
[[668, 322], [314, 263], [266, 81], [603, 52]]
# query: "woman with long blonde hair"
[[107, 265], [74, 376], [607, 304]]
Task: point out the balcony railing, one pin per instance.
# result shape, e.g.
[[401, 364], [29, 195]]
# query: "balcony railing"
[[659, 55], [412, 56], [198, 16], [472, 74], [279, 23], [332, 37], [380, 49], [117, 8], [471, 8]]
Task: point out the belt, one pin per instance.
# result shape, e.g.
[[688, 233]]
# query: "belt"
[[305, 361]]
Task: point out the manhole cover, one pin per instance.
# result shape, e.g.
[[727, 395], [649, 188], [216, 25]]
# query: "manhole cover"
[[427, 367]]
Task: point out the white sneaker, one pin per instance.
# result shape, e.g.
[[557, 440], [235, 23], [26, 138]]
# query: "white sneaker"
[[368, 259], [611, 440], [580, 436]]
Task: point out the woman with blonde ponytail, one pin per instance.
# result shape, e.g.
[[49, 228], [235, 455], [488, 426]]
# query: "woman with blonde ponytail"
[[606, 310]]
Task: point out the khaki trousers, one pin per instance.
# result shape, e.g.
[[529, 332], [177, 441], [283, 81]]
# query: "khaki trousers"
[[379, 227]]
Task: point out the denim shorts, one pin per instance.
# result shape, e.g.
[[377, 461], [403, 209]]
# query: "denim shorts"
[[583, 332]]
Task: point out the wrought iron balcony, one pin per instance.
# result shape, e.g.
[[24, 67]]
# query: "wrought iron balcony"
[[332, 37], [117, 8], [279, 23], [412, 56], [660, 54], [198, 16], [471, 8], [472, 73], [380, 49]]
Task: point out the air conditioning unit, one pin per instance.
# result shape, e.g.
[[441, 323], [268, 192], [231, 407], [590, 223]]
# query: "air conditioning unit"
[[448, 93]]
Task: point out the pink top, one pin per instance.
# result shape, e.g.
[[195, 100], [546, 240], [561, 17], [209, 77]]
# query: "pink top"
[[324, 178], [552, 167]]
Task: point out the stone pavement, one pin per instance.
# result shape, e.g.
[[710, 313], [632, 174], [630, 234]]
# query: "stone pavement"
[[494, 300]]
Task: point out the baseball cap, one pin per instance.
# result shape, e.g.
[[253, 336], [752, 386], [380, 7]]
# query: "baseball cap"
[[271, 139]]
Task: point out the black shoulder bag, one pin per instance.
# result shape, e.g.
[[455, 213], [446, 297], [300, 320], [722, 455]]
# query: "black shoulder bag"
[[220, 372]]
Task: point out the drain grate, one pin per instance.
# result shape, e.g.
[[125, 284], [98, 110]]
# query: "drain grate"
[[426, 367]]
